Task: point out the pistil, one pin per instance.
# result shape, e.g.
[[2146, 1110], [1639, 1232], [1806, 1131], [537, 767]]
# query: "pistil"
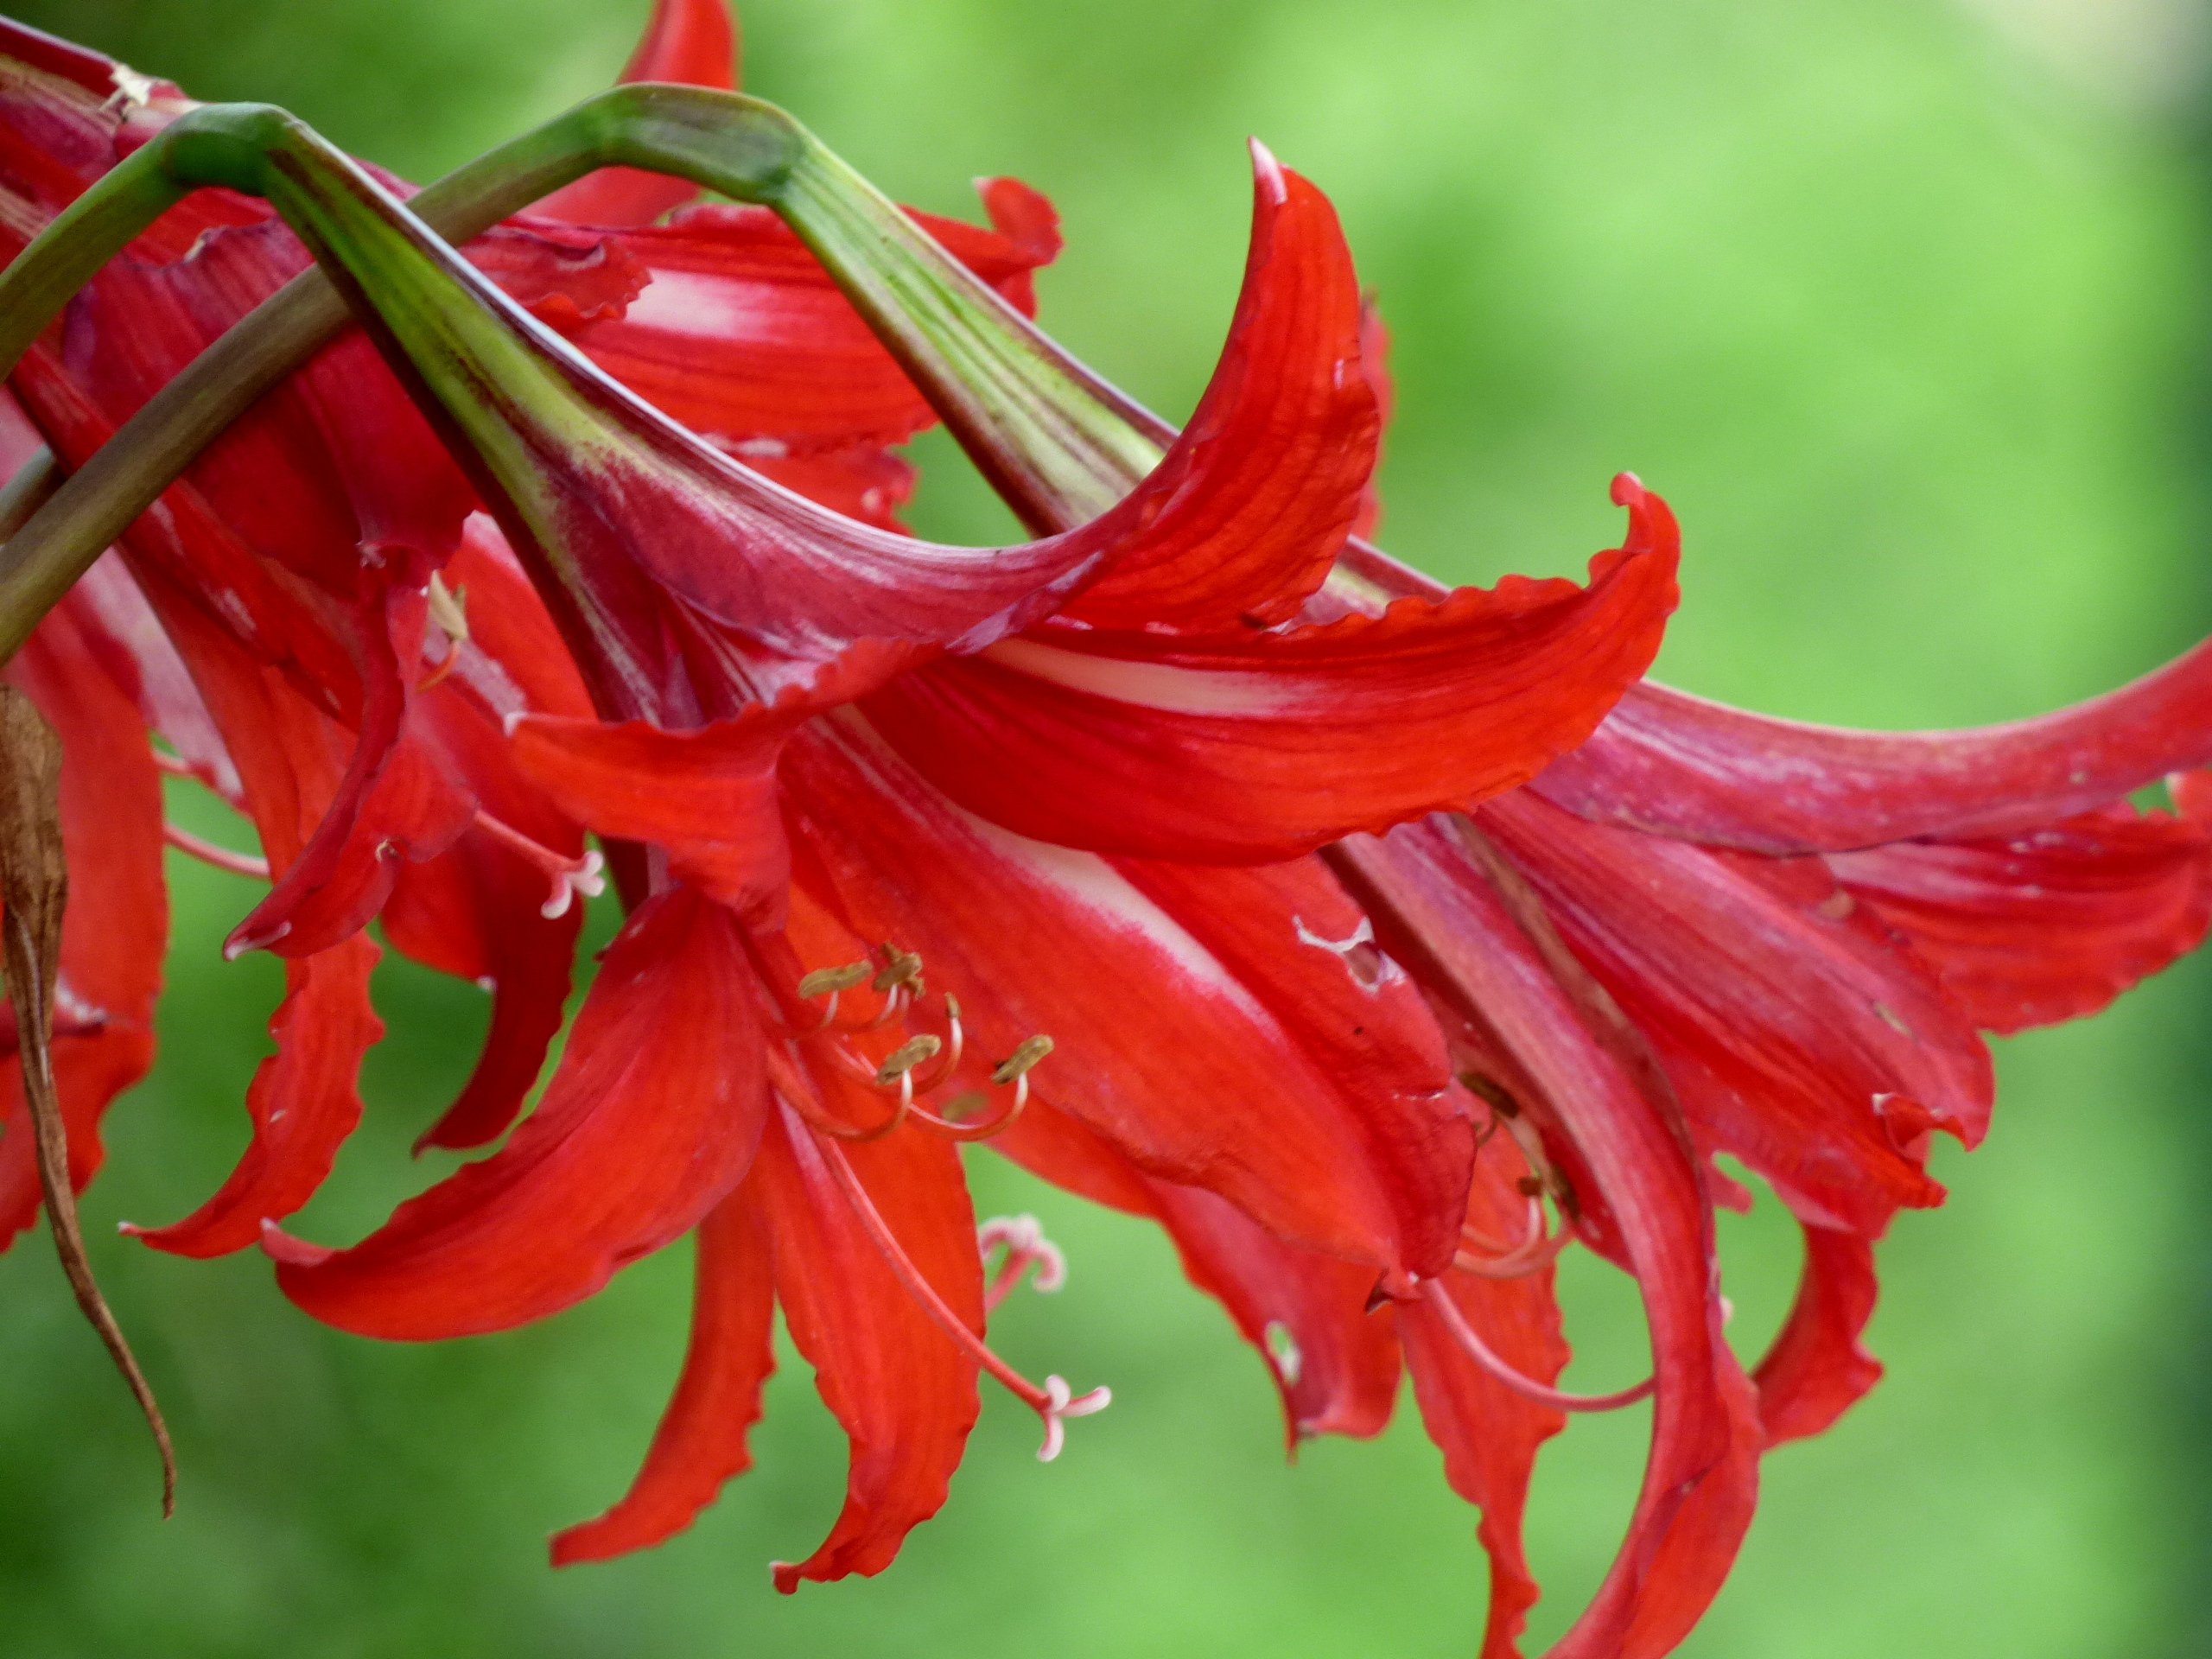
[[1053, 1403], [569, 876]]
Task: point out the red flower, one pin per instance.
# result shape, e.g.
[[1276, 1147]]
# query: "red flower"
[[1700, 932], [687, 590]]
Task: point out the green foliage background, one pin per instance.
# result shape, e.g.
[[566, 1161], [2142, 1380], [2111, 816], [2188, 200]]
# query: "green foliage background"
[[1902, 304]]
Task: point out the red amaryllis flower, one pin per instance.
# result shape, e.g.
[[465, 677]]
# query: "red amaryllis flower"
[[674, 640], [476, 1252], [1700, 932], [360, 736]]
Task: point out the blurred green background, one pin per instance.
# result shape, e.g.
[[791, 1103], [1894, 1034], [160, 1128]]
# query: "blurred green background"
[[1901, 304]]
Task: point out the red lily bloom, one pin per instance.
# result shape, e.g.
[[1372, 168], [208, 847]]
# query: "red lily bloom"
[[665, 634], [1740, 935], [366, 794]]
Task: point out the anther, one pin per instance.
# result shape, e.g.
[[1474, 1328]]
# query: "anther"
[[1018, 1064], [569, 876], [901, 971], [904, 1058], [825, 980], [448, 609], [1527, 1387], [1053, 1402], [207, 852]]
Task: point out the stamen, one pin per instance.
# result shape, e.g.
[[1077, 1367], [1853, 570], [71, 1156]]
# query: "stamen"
[[1052, 1403], [798, 1092], [1538, 1253], [448, 609], [1017, 1064], [207, 852], [898, 1065], [1023, 1239], [1532, 1234], [1527, 1387], [569, 876], [950, 1123], [832, 980], [901, 970]]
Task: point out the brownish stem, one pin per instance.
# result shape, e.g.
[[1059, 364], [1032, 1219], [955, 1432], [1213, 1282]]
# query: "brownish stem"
[[34, 890]]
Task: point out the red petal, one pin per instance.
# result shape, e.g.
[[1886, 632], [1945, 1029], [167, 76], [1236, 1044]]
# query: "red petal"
[[564, 277], [651, 1119], [1801, 1041], [303, 1102], [1468, 945], [335, 459], [1252, 749], [477, 911], [91, 70], [1032, 937], [1334, 1363], [1288, 395], [520, 664], [865, 483], [690, 42], [708, 794], [1488, 1433], [744, 337], [701, 1441], [1374, 364], [2031, 929], [903, 1392], [1294, 942], [394, 803], [1676, 764], [1816, 1371]]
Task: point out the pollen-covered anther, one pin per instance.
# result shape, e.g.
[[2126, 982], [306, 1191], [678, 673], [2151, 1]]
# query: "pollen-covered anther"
[[1017, 1065], [898, 1065], [899, 970], [832, 983], [568, 876], [1023, 1238], [827, 982]]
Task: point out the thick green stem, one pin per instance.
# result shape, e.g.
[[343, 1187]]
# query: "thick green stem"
[[1058, 442]]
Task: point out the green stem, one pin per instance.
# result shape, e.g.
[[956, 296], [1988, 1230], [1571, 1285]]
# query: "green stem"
[[1058, 442]]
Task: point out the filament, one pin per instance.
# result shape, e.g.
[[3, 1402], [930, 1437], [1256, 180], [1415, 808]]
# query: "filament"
[[207, 852], [1527, 1387]]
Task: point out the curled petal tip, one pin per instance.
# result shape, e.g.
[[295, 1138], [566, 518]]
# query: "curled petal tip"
[[1628, 490], [280, 1246], [1267, 171]]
